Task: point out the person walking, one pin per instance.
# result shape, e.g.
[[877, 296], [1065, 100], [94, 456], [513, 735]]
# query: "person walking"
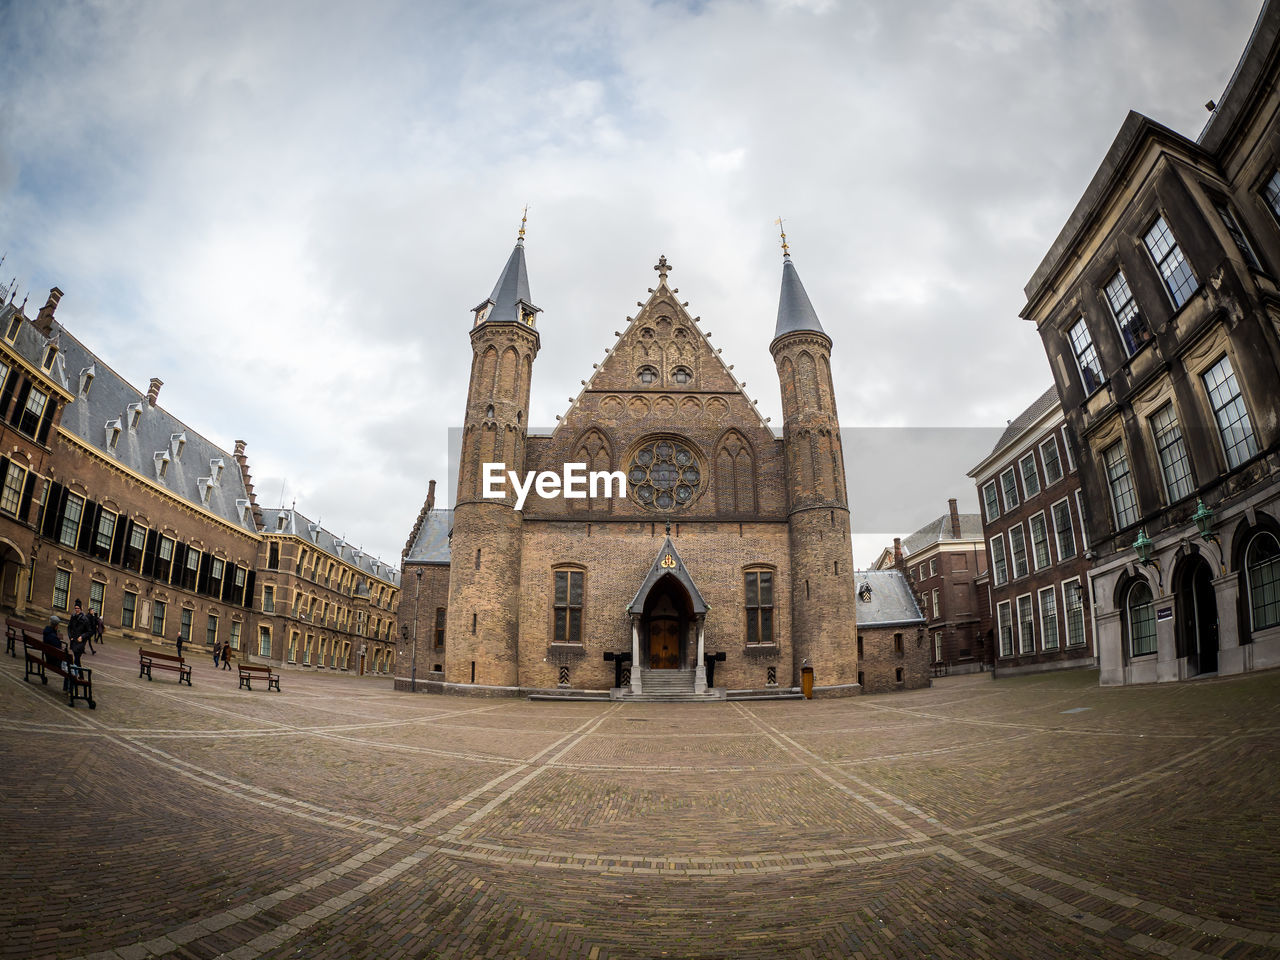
[[226, 656], [178, 643], [79, 631], [99, 629], [217, 654]]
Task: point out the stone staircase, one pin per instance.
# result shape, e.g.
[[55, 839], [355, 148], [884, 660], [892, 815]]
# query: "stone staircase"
[[669, 686]]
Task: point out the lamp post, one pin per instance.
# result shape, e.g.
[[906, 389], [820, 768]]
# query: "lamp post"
[[413, 669], [1143, 547], [1204, 524]]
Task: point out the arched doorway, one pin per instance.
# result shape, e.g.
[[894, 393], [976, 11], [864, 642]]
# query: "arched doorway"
[[1197, 615], [668, 612], [12, 568]]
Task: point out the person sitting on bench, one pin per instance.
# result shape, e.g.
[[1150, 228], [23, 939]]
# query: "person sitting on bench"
[[52, 638]]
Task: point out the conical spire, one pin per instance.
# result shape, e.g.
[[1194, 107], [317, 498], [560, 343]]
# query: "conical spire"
[[510, 302], [795, 312]]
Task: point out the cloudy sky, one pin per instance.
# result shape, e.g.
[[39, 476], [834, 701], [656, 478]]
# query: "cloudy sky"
[[286, 210]]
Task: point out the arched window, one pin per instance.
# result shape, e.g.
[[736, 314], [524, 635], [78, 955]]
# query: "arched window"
[[681, 375], [1262, 562], [1141, 619], [647, 375]]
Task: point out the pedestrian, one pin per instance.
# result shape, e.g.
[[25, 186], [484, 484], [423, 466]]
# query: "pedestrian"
[[99, 628], [179, 643], [53, 639], [226, 656], [79, 630], [217, 654]]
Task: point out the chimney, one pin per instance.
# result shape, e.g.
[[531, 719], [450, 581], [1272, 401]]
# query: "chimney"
[[431, 495], [153, 391], [897, 551], [44, 320], [243, 462], [955, 519]]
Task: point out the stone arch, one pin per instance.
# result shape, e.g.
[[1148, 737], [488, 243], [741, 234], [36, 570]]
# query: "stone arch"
[[593, 449], [487, 372], [808, 372], [611, 407], [827, 385], [717, 408], [664, 406], [508, 370], [787, 376], [690, 407], [735, 474]]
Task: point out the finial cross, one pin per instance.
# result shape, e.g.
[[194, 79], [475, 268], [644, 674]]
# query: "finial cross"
[[662, 267]]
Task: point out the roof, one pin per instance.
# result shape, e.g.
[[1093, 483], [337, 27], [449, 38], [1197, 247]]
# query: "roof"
[[511, 290], [432, 543], [30, 343], [667, 564], [193, 466], [939, 531], [290, 521], [795, 312], [889, 602], [1019, 424]]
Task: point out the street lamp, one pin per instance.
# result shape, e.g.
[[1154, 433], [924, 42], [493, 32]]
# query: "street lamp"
[[1143, 547], [413, 670], [1204, 523]]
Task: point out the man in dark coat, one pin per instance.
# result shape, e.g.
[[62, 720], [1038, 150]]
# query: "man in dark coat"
[[79, 630], [53, 639]]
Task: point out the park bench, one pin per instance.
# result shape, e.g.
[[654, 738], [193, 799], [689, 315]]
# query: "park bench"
[[42, 657], [15, 630], [149, 659], [250, 670]]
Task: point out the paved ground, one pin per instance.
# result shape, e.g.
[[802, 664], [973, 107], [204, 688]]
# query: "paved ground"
[[1035, 817]]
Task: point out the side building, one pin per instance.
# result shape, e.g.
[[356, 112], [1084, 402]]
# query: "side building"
[[424, 599], [944, 560], [324, 603], [892, 652], [1033, 524], [1157, 305]]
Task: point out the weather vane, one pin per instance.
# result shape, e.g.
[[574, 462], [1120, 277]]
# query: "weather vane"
[[782, 230], [524, 217]]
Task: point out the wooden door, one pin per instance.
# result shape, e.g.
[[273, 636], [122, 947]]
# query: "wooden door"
[[664, 644]]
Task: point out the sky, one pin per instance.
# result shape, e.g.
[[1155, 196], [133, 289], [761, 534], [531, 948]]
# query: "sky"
[[286, 210]]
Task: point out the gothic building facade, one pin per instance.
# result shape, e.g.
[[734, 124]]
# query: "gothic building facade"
[[728, 545]]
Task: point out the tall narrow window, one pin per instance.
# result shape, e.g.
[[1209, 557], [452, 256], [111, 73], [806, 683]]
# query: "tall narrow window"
[[1174, 464], [1048, 619], [1018, 549], [1141, 620], [128, 607], [990, 501], [1009, 485], [268, 598], [1030, 477], [999, 566], [1026, 625], [1262, 561], [157, 618], [235, 635], [11, 496], [1086, 356], [1073, 604], [1004, 619], [61, 588], [97, 591], [192, 570], [759, 590], [164, 561], [32, 412], [184, 626], [1168, 258], [1242, 243], [1228, 409], [441, 617], [1124, 501], [1133, 328], [1062, 531], [273, 556], [106, 531], [133, 552], [264, 641], [70, 528], [1271, 191], [1052, 464], [568, 606], [1039, 541], [211, 630]]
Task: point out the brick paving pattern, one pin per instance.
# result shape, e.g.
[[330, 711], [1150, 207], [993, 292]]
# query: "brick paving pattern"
[[1033, 817]]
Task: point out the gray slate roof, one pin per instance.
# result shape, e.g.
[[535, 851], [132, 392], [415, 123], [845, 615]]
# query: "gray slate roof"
[[511, 290], [892, 603], [657, 571], [110, 399], [937, 531], [30, 343], [289, 520], [1039, 407], [432, 543], [795, 312]]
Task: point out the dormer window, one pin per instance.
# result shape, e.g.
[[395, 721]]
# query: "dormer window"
[[204, 485], [113, 433], [647, 375], [162, 463], [15, 324], [86, 379], [176, 442], [50, 352], [681, 375], [215, 466], [135, 415], [281, 521]]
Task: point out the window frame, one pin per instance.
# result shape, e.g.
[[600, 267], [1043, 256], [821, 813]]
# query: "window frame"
[[991, 504], [1129, 322], [1051, 619], [1057, 532], [1131, 513], [1249, 440], [1000, 564], [61, 589], [1051, 441], [69, 526], [128, 610], [760, 618], [158, 613], [1004, 628], [1009, 491], [567, 616], [1271, 600], [1067, 612], [1088, 364], [1175, 283], [1033, 487], [1140, 584], [1014, 551], [1035, 547], [1168, 439], [1025, 649]]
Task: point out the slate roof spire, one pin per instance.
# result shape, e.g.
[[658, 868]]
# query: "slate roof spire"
[[795, 312], [509, 302]]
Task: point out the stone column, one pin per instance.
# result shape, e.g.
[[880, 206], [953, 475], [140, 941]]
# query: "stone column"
[[1230, 653], [700, 668], [635, 654]]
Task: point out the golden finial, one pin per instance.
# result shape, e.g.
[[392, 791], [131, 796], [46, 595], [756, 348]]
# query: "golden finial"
[[524, 218], [782, 230]]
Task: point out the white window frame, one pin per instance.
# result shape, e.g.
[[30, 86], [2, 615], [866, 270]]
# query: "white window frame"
[[996, 579], [1051, 440], [1031, 530], [1052, 618], [1013, 553], [1057, 539], [1005, 489], [1084, 527], [1023, 650], [1066, 614], [1035, 474], [991, 504], [1002, 608]]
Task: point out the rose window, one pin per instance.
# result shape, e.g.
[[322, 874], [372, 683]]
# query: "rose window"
[[664, 474]]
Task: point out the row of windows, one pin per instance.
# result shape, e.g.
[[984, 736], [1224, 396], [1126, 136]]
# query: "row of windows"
[[648, 375], [1030, 473], [1020, 632], [324, 652], [1035, 542], [1177, 476], [348, 581]]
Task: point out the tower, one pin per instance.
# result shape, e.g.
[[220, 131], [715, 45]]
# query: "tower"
[[484, 574], [823, 623]]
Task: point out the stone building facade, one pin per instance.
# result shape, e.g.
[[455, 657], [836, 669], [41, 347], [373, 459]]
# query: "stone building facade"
[[1033, 524], [1158, 307], [893, 652], [728, 539], [944, 561]]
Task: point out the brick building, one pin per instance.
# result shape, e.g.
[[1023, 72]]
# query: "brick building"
[[729, 540], [944, 560], [892, 649], [323, 603], [1156, 305], [1033, 524]]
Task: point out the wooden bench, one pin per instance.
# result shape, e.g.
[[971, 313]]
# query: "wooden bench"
[[149, 659], [250, 670], [42, 657], [15, 630]]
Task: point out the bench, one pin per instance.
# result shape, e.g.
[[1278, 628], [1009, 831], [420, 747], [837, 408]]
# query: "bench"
[[15, 630], [148, 659], [250, 670], [42, 657]]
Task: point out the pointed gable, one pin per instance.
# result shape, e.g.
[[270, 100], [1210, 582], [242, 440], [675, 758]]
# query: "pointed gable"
[[510, 301], [667, 564]]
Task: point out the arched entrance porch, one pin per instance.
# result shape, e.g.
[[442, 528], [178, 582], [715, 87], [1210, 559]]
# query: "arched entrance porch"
[[12, 569], [667, 616], [1197, 627]]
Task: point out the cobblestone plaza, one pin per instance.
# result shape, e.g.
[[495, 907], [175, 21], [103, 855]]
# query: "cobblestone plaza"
[[1031, 817]]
